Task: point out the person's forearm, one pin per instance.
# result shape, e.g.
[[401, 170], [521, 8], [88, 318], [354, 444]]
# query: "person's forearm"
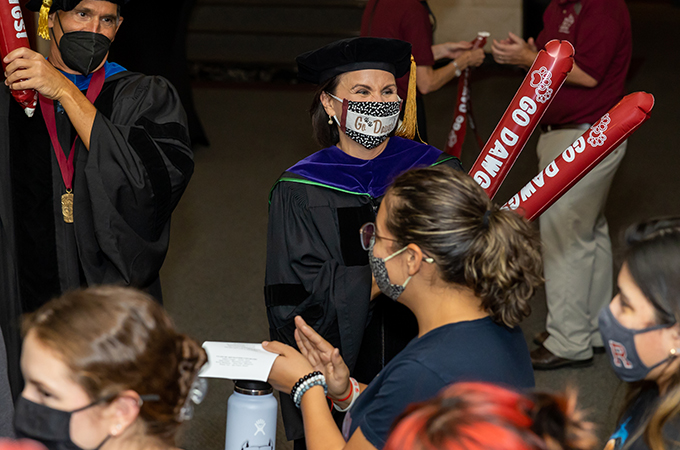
[[528, 57], [429, 80], [321, 432], [439, 51], [578, 77], [80, 112]]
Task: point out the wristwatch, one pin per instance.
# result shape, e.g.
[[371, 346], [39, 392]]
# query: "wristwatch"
[[458, 72]]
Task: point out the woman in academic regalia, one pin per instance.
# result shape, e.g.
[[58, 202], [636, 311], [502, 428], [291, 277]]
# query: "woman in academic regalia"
[[316, 267]]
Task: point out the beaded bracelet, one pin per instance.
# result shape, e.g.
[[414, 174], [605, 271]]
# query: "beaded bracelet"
[[306, 383], [313, 379], [310, 384]]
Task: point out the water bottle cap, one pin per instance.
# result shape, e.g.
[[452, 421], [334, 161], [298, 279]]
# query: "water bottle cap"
[[250, 387]]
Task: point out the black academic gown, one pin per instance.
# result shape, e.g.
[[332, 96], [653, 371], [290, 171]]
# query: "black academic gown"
[[6, 404], [125, 188], [316, 267]]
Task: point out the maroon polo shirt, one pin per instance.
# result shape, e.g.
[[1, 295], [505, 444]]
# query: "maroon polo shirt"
[[600, 32], [407, 20]]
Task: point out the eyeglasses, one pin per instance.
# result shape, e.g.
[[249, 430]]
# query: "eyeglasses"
[[367, 234]]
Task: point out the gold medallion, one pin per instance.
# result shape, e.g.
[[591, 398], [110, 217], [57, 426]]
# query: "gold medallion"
[[67, 206]]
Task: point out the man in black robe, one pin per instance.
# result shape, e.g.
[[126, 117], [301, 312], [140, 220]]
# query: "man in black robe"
[[129, 154]]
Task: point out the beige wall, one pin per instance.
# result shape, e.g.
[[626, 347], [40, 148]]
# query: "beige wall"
[[42, 45], [459, 20]]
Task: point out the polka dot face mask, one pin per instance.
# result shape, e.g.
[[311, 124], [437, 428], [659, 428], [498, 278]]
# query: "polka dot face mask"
[[368, 123]]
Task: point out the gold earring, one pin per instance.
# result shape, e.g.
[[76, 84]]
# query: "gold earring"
[[330, 120]]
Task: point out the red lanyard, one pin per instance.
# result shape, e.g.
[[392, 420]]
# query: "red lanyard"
[[47, 108]]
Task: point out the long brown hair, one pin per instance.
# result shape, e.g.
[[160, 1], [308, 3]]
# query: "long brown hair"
[[324, 133], [116, 338], [494, 252], [653, 260]]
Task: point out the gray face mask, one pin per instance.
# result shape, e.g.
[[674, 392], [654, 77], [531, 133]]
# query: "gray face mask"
[[619, 342], [382, 278]]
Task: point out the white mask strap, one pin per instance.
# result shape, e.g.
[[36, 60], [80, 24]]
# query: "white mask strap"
[[398, 252]]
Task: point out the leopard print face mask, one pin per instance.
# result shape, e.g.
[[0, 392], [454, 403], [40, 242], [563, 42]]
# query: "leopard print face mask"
[[368, 123], [382, 278]]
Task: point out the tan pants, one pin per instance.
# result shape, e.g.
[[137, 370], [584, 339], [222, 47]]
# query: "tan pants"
[[577, 252]]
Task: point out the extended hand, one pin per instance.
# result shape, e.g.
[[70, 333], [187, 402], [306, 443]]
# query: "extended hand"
[[470, 58], [514, 50], [323, 357], [476, 57], [451, 50], [27, 69], [288, 368]]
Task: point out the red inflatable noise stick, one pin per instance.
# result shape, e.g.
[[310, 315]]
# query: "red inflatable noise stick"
[[13, 35], [579, 158], [544, 79], [454, 142], [21, 444]]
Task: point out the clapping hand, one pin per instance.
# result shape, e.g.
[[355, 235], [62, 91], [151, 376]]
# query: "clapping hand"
[[476, 58], [514, 50], [324, 358], [451, 50]]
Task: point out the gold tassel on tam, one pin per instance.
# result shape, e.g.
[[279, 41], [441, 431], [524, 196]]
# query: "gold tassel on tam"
[[409, 125], [43, 29]]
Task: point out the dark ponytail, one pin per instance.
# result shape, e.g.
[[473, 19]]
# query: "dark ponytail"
[[494, 252], [557, 420]]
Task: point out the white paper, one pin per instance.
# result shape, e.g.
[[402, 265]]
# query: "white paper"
[[237, 361]]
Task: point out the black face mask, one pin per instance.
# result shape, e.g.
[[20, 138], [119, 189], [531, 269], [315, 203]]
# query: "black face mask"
[[51, 427], [82, 51]]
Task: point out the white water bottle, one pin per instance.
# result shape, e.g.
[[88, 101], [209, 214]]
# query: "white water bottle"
[[251, 417]]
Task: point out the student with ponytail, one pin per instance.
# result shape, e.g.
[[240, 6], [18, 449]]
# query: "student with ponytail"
[[641, 333], [484, 416], [465, 269], [106, 369]]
